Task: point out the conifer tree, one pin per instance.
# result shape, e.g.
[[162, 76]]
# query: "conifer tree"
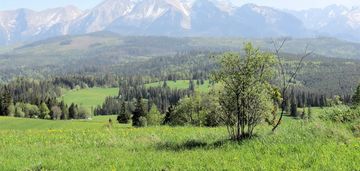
[[191, 86], [356, 96], [73, 111], [293, 106], [124, 116], [64, 111], [138, 113]]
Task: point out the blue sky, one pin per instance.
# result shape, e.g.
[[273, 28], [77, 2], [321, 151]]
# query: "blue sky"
[[86, 4]]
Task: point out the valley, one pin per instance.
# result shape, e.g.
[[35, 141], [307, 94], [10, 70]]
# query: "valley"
[[180, 85]]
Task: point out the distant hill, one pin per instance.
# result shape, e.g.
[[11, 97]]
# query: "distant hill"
[[107, 44]]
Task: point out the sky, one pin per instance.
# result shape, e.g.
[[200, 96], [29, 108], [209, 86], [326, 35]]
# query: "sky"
[[87, 4]]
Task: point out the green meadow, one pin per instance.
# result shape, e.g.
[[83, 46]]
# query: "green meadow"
[[96, 144], [28, 144], [90, 97]]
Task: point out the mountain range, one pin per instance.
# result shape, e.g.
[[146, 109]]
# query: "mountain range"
[[179, 18]]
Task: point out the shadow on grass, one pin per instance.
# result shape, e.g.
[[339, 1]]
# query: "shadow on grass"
[[196, 144], [190, 145]]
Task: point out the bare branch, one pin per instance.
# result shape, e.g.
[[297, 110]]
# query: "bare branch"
[[286, 83]]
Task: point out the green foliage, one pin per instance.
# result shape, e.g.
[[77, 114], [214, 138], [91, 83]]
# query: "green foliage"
[[11, 109], [181, 84], [293, 110], [154, 117], [73, 111], [342, 114], [139, 113], [64, 111], [246, 96], [142, 122], [19, 111], [31, 111], [56, 112], [6, 103], [356, 96], [44, 111], [184, 113], [168, 119], [83, 113], [198, 110], [124, 115], [309, 112], [335, 101]]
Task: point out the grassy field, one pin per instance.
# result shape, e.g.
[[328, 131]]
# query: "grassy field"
[[92, 97], [182, 84], [9, 123], [28, 144], [89, 98]]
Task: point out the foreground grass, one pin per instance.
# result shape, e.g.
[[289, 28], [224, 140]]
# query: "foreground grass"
[[90, 97], [296, 145]]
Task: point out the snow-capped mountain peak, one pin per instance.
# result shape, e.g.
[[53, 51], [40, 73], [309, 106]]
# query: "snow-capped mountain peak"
[[180, 18]]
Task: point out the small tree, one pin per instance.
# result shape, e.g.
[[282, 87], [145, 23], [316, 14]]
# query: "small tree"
[[293, 110], [154, 117], [138, 112], [286, 77], [168, 115], [356, 96], [64, 111], [6, 101], [83, 113], [303, 114], [19, 111], [246, 95], [56, 112], [288, 107], [31, 110], [44, 111], [184, 112], [11, 109], [124, 116], [309, 112], [142, 122], [73, 111], [191, 85], [165, 84]]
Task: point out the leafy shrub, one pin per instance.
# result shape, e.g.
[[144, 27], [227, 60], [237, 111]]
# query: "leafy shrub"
[[213, 119], [154, 117], [142, 121], [19, 111], [356, 129], [84, 113], [342, 113]]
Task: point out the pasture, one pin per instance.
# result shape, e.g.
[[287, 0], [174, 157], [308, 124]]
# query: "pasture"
[[28, 144], [90, 97]]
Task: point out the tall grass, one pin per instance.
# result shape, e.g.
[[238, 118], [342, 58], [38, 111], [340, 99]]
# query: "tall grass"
[[297, 145]]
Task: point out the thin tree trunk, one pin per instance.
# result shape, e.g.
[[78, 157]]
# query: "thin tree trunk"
[[238, 134], [283, 105]]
